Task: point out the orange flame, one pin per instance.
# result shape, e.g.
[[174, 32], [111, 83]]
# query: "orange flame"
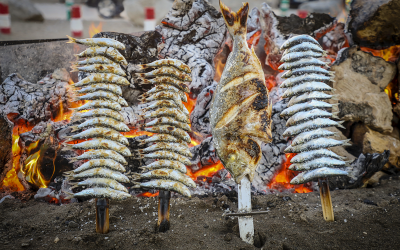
[[208, 171], [390, 54], [93, 30], [148, 194], [283, 177], [190, 103]]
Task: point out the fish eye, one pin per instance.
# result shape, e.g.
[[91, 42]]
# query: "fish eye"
[[231, 157]]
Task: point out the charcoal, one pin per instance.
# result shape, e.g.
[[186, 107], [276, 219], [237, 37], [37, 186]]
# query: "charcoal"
[[253, 28], [374, 24], [200, 116], [193, 32], [204, 154]]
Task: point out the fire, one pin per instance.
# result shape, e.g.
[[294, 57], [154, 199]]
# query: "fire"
[[148, 194], [205, 172], [190, 103], [134, 133], [32, 173], [390, 54], [93, 30], [282, 179]]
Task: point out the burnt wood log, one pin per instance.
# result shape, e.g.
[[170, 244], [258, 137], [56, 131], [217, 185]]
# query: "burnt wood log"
[[277, 29], [34, 102], [6, 155], [204, 155], [375, 24], [193, 32]]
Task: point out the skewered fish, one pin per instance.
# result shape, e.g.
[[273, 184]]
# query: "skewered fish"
[[102, 122], [99, 112], [167, 71], [102, 78], [109, 52], [169, 174], [116, 89], [105, 133], [111, 164], [169, 112], [240, 113], [101, 68], [96, 60], [166, 185], [168, 121], [167, 80], [100, 104], [100, 154], [308, 111], [102, 144], [102, 193], [167, 62], [102, 42], [101, 182], [166, 164], [99, 172], [103, 95], [179, 148]]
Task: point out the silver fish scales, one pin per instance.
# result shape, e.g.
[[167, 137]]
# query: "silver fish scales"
[[104, 95], [116, 89], [166, 185], [101, 172], [169, 112], [96, 60], [167, 71], [105, 133], [111, 164], [166, 164], [98, 192], [166, 129], [109, 52], [161, 138], [102, 144], [306, 87], [165, 104], [167, 62], [164, 87], [101, 182], [101, 68], [101, 154], [100, 104], [102, 78], [103, 122], [179, 148], [99, 112], [167, 80], [169, 174], [305, 83], [101, 42], [167, 155], [168, 121], [167, 95]]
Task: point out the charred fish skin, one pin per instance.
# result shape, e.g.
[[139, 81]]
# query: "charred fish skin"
[[308, 113], [240, 113]]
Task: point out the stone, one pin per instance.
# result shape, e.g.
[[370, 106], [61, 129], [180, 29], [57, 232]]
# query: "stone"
[[360, 80], [73, 224], [228, 237], [374, 24], [375, 142]]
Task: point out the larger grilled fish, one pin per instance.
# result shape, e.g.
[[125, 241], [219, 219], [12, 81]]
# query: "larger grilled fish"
[[240, 111]]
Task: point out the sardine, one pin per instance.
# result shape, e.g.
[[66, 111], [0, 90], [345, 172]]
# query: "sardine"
[[160, 138], [308, 136], [100, 104], [100, 154], [240, 114], [167, 62], [311, 155], [99, 112], [168, 121], [162, 104], [101, 144], [295, 56], [315, 95], [311, 125], [166, 96], [108, 163], [166, 164], [302, 63], [101, 182], [166, 80], [178, 148], [166, 129], [313, 104], [168, 174], [164, 87], [304, 116], [100, 172], [298, 40], [103, 122], [96, 60], [100, 68], [167, 155], [317, 163], [109, 52], [104, 95], [113, 88], [169, 112], [165, 185], [305, 46], [291, 82], [167, 71], [101, 133], [307, 70], [308, 176], [102, 78], [102, 193], [306, 87], [101, 42], [316, 144]]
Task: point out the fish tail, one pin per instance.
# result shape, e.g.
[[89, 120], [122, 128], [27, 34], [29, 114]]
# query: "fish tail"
[[74, 68], [324, 53], [346, 142], [69, 196], [71, 39], [236, 22], [142, 75], [142, 66], [66, 146], [340, 124], [74, 128]]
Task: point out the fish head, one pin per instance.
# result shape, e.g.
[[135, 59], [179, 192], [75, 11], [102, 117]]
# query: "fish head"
[[241, 158]]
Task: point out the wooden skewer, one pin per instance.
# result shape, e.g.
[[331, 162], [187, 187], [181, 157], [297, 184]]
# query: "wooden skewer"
[[246, 226], [163, 210], [102, 216], [326, 200]]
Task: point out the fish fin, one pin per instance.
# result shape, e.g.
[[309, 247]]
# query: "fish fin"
[[236, 22], [71, 39]]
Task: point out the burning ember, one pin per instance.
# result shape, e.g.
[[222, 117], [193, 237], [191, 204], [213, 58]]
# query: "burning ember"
[[282, 178]]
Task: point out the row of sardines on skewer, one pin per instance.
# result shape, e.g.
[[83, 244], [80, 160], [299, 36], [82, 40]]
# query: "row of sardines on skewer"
[[100, 122], [166, 117], [309, 115]]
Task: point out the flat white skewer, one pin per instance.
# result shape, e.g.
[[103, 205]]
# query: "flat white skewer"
[[246, 226]]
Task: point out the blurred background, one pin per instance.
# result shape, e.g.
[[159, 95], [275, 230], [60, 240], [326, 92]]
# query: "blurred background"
[[49, 19]]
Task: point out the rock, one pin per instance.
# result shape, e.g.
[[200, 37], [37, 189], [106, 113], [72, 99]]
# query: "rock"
[[24, 10], [360, 81], [374, 24], [73, 224], [259, 239], [375, 142], [228, 237], [396, 109], [61, 74], [56, 239]]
